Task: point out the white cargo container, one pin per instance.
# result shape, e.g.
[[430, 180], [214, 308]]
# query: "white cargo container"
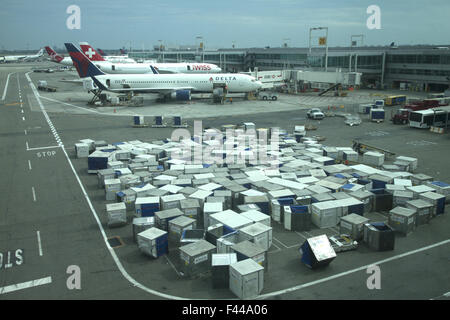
[[401, 197], [246, 279], [257, 216], [438, 201], [208, 209], [402, 220], [178, 225], [112, 186], [171, 201], [201, 196], [117, 214], [230, 218], [153, 242], [411, 161], [142, 224], [259, 234], [373, 158], [325, 214], [82, 150], [417, 190], [423, 210], [353, 225]]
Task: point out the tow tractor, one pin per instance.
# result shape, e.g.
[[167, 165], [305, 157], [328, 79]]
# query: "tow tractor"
[[363, 147], [343, 242], [401, 117]]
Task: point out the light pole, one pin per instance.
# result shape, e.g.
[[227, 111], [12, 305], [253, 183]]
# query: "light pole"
[[200, 45], [285, 45], [326, 43], [161, 49]]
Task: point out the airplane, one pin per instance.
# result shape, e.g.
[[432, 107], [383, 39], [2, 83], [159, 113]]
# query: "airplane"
[[6, 59], [67, 61], [116, 59], [178, 86], [145, 67]]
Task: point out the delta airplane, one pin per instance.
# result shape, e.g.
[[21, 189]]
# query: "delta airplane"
[[177, 86], [6, 59], [136, 68]]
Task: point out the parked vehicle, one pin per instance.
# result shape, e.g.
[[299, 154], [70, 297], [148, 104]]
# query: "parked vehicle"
[[268, 95], [315, 113]]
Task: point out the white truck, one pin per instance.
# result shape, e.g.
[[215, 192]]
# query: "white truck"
[[266, 95]]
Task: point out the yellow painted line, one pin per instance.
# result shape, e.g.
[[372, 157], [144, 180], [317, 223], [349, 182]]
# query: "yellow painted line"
[[13, 104]]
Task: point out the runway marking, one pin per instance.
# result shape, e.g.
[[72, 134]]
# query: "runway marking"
[[309, 284], [94, 213], [280, 242], [6, 86], [29, 164], [26, 143], [171, 264], [23, 118], [34, 194], [40, 148], [25, 285], [39, 243], [25, 132], [22, 110]]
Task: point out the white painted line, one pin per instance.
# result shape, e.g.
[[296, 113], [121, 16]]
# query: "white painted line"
[[301, 235], [309, 284], [39, 243], [171, 264], [6, 86], [25, 285], [26, 143], [23, 118], [25, 132], [94, 213], [22, 110], [280, 242], [34, 194], [40, 148], [29, 164]]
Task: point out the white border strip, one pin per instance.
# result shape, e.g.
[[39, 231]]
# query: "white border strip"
[[25, 285], [39, 243], [6, 86]]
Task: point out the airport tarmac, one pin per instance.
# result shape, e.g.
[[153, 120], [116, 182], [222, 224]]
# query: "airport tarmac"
[[54, 213]]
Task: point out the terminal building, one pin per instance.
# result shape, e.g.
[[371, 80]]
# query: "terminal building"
[[416, 68]]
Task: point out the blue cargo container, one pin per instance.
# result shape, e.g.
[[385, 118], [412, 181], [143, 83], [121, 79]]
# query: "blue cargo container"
[[317, 252], [377, 115], [297, 218]]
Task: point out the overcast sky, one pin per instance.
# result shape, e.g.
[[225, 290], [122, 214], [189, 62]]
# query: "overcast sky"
[[249, 23]]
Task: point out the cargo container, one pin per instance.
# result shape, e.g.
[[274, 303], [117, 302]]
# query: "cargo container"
[[441, 188], [401, 197], [216, 231], [436, 199], [147, 206], [413, 162], [366, 197], [325, 214], [377, 115], [249, 250], [417, 190], [373, 158], [228, 197], [257, 216], [208, 209], [226, 241], [230, 219], [82, 150], [177, 226], [196, 258], [317, 252], [142, 224], [153, 242], [379, 236], [402, 220], [163, 217], [380, 181], [117, 214], [257, 233], [261, 201], [192, 235], [220, 265], [297, 218], [383, 200], [420, 179], [171, 201], [112, 186], [423, 210], [128, 197], [353, 225], [246, 279], [191, 208]]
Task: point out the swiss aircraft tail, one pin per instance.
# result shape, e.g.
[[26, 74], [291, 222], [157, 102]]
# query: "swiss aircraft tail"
[[90, 52], [83, 65]]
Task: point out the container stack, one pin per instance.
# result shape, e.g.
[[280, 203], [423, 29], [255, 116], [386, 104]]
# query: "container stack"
[[196, 258]]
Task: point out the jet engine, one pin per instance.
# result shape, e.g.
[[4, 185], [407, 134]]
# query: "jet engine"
[[181, 95]]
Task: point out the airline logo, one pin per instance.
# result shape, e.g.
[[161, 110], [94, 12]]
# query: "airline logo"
[[225, 78], [82, 64], [200, 67], [90, 52], [53, 55]]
